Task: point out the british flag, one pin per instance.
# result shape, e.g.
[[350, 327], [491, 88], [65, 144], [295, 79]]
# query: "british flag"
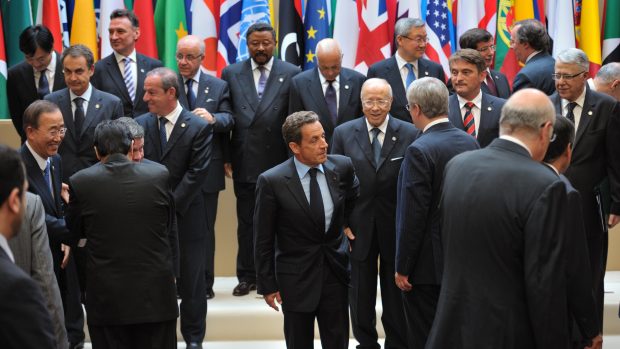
[[376, 21], [230, 23], [440, 31]]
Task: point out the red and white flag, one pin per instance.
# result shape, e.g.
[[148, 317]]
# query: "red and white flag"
[[206, 28], [48, 14], [475, 14], [376, 20]]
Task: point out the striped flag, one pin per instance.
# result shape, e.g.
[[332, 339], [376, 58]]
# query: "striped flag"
[[347, 31], [84, 21], [611, 34], [561, 25], [588, 29], [376, 33], [105, 11], [409, 9], [64, 23], [206, 29], [316, 29], [440, 31], [4, 103], [147, 44], [253, 11], [48, 14], [230, 23], [171, 26], [476, 14], [17, 17]]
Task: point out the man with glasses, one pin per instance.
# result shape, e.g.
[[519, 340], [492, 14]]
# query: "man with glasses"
[[407, 64], [122, 73], [595, 162], [607, 80], [530, 42]]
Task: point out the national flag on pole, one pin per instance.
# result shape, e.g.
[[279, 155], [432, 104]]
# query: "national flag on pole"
[[376, 34], [170, 27], [253, 11], [316, 29], [85, 26], [48, 14], [17, 16], [476, 14], [188, 14], [64, 23], [561, 25], [347, 31], [4, 103], [440, 31], [206, 29], [147, 43], [230, 24], [107, 6], [611, 34], [409, 9], [290, 32], [589, 32]]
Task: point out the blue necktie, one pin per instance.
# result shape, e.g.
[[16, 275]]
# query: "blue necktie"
[[44, 86], [128, 77], [316, 200], [410, 74], [78, 116], [46, 175], [162, 133], [191, 97]]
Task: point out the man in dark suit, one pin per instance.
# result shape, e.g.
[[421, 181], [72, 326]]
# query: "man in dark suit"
[[131, 299], [471, 109], [595, 156], [504, 252], [302, 207], [329, 90], [209, 98], [25, 321], [495, 83], [181, 141], [38, 75], [123, 72], [259, 90], [407, 64], [607, 80], [377, 156], [530, 42]]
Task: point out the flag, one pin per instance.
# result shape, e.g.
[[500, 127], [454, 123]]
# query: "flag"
[[170, 27], [376, 36], [409, 9], [147, 43], [64, 23], [347, 31], [85, 26], [561, 25], [17, 17], [188, 14], [4, 103], [316, 26], [48, 14], [476, 14], [253, 11], [611, 34], [107, 6], [290, 32], [230, 24], [440, 31], [206, 29], [589, 32]]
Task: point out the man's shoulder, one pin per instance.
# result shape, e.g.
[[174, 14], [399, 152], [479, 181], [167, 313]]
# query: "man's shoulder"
[[235, 68], [104, 61], [494, 100], [305, 75], [108, 97], [57, 95], [212, 80], [381, 64], [18, 69], [143, 119], [150, 62], [280, 66], [352, 74], [430, 64]]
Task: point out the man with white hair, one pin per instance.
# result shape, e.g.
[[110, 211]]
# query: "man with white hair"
[[607, 80]]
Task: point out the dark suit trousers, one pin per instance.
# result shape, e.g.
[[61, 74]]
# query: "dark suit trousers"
[[363, 296], [246, 199], [597, 250], [211, 206], [156, 335], [72, 300], [331, 314], [420, 307]]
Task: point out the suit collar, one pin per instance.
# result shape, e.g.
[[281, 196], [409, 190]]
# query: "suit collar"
[[511, 144], [37, 181], [437, 125], [114, 72], [177, 131], [5, 250]]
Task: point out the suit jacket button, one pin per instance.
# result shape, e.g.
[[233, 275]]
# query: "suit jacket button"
[[275, 108], [243, 107]]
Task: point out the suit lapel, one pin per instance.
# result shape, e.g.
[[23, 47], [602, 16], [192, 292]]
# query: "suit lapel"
[[35, 177], [486, 108], [391, 137], [65, 108], [392, 75], [454, 113], [56, 181], [31, 87], [183, 93], [152, 132], [363, 140], [246, 79], [293, 182], [587, 112], [272, 87], [58, 75], [141, 72], [315, 89], [345, 94], [332, 178], [93, 112], [177, 132], [114, 71]]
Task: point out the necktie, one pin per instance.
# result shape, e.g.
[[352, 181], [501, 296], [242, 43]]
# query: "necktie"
[[410, 75], [376, 145], [570, 114], [332, 102], [44, 86], [163, 138], [491, 84], [78, 116], [191, 97], [262, 81], [46, 175], [468, 119], [316, 200], [131, 88]]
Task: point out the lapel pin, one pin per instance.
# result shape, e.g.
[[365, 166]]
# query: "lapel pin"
[[489, 108], [346, 87], [394, 139], [183, 125], [141, 70], [425, 73], [206, 89], [97, 106], [590, 112], [281, 79]]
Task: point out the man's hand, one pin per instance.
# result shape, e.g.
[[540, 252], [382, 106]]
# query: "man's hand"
[[349, 233], [402, 282], [228, 169], [203, 113], [67, 251], [64, 193], [613, 220], [597, 342], [271, 299]]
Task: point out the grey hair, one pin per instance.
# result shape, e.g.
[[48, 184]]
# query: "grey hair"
[[609, 72], [168, 78], [530, 116], [404, 25], [574, 56], [431, 94], [136, 130], [376, 81]]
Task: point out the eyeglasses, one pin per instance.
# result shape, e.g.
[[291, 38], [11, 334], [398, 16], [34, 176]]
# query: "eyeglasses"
[[180, 57], [55, 132], [552, 136], [369, 103], [485, 49], [418, 40], [557, 77]]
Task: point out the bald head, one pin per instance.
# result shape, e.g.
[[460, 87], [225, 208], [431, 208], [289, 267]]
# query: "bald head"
[[190, 51], [607, 80], [329, 58]]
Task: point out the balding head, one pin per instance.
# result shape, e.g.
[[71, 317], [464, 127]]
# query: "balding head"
[[376, 98], [329, 58], [607, 80], [190, 51]]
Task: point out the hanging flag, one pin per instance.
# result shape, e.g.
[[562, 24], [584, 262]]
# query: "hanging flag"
[[230, 24], [206, 29], [409, 9], [64, 23], [589, 32], [4, 103], [561, 26], [611, 34], [147, 43], [17, 17], [291, 32], [347, 31], [105, 11], [84, 19], [253, 11], [376, 36], [476, 14], [440, 31], [316, 26], [48, 14], [188, 14], [170, 27]]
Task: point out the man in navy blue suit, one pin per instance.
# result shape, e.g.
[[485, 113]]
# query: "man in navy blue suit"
[[530, 42]]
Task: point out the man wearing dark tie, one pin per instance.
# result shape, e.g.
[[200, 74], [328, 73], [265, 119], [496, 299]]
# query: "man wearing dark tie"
[[302, 207], [329, 90], [530, 42], [407, 64], [471, 109], [38, 75]]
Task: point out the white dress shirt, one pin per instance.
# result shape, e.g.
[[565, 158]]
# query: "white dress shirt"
[[400, 62]]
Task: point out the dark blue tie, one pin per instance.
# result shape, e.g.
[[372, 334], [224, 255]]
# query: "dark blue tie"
[[191, 97], [162, 133], [376, 145], [410, 74], [78, 116], [46, 175], [316, 199], [332, 102], [44, 86]]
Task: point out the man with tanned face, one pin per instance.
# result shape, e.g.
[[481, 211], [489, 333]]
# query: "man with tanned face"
[[530, 42]]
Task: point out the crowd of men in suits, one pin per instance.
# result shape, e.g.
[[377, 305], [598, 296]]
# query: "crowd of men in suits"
[[338, 178]]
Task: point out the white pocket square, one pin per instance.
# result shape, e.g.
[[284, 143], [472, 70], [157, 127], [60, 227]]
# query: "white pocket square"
[[398, 158], [210, 100]]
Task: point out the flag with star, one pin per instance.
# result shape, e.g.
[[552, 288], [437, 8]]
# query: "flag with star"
[[440, 31], [291, 32], [316, 29], [170, 26]]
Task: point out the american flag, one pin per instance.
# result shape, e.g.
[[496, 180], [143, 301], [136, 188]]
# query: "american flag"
[[440, 31]]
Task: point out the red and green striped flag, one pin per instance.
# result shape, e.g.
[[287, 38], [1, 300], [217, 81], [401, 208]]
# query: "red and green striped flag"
[[170, 26], [4, 105]]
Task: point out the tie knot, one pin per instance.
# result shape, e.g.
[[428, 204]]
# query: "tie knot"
[[189, 83], [312, 172], [409, 66], [47, 166], [127, 60], [375, 132], [78, 101], [469, 106], [572, 105], [163, 120]]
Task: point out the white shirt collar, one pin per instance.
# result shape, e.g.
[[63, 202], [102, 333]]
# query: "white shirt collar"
[[435, 122], [400, 61], [580, 100], [86, 95], [517, 141], [196, 77], [553, 168], [382, 127], [119, 57], [174, 114], [323, 80], [532, 55], [4, 244], [477, 100], [40, 160], [267, 65]]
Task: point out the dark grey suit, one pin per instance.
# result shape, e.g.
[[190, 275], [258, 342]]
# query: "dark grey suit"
[[490, 112], [536, 74]]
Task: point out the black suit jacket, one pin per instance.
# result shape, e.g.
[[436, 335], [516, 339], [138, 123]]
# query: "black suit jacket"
[[501, 85], [536, 74], [490, 113], [76, 148], [388, 69], [214, 96], [290, 249], [504, 253], [21, 90], [375, 209], [256, 142], [109, 78], [307, 94], [126, 211]]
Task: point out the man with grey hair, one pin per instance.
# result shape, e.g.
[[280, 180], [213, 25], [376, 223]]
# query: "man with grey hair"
[[595, 164], [137, 134], [607, 80], [530, 42], [329, 90], [418, 228], [407, 64], [504, 251]]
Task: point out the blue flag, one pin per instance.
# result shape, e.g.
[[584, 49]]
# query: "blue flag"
[[316, 29], [253, 11]]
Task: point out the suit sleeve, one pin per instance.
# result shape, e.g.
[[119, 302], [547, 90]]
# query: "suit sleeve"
[[336, 146], [223, 117], [613, 159], [265, 218], [294, 100], [173, 235], [353, 191], [118, 110], [521, 81], [193, 179], [14, 101], [73, 216]]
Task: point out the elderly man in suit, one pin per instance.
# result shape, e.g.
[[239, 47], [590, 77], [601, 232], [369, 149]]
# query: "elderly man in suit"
[[259, 90], [25, 321], [407, 64], [209, 98], [34, 78], [181, 141], [376, 145], [530, 42], [122, 73], [329, 90], [471, 109], [302, 207], [504, 252], [595, 156], [607, 80]]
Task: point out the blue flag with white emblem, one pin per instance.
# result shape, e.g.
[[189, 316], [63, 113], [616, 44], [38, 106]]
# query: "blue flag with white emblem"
[[253, 11]]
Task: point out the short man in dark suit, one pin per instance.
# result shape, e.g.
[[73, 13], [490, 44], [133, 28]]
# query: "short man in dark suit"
[[25, 321], [419, 260], [34, 78], [302, 207], [407, 64], [530, 42], [181, 141], [209, 98], [131, 300], [329, 90], [595, 156], [259, 91], [471, 109], [122, 73], [503, 237], [377, 156], [607, 80], [495, 83]]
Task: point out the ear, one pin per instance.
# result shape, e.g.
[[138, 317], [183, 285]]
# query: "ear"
[[97, 153], [294, 147], [15, 201], [615, 84]]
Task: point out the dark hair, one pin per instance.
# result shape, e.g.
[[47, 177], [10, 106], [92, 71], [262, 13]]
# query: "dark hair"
[[474, 36], [291, 129], [136, 130], [121, 12], [564, 130], [260, 27], [112, 138], [32, 114], [79, 50], [168, 77], [12, 172], [534, 33], [470, 56], [34, 37]]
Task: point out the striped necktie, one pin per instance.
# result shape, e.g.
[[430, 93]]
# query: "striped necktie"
[[131, 88], [468, 119]]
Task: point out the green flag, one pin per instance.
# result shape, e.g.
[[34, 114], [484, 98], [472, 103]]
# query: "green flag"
[[17, 16], [611, 34], [170, 27], [4, 105]]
